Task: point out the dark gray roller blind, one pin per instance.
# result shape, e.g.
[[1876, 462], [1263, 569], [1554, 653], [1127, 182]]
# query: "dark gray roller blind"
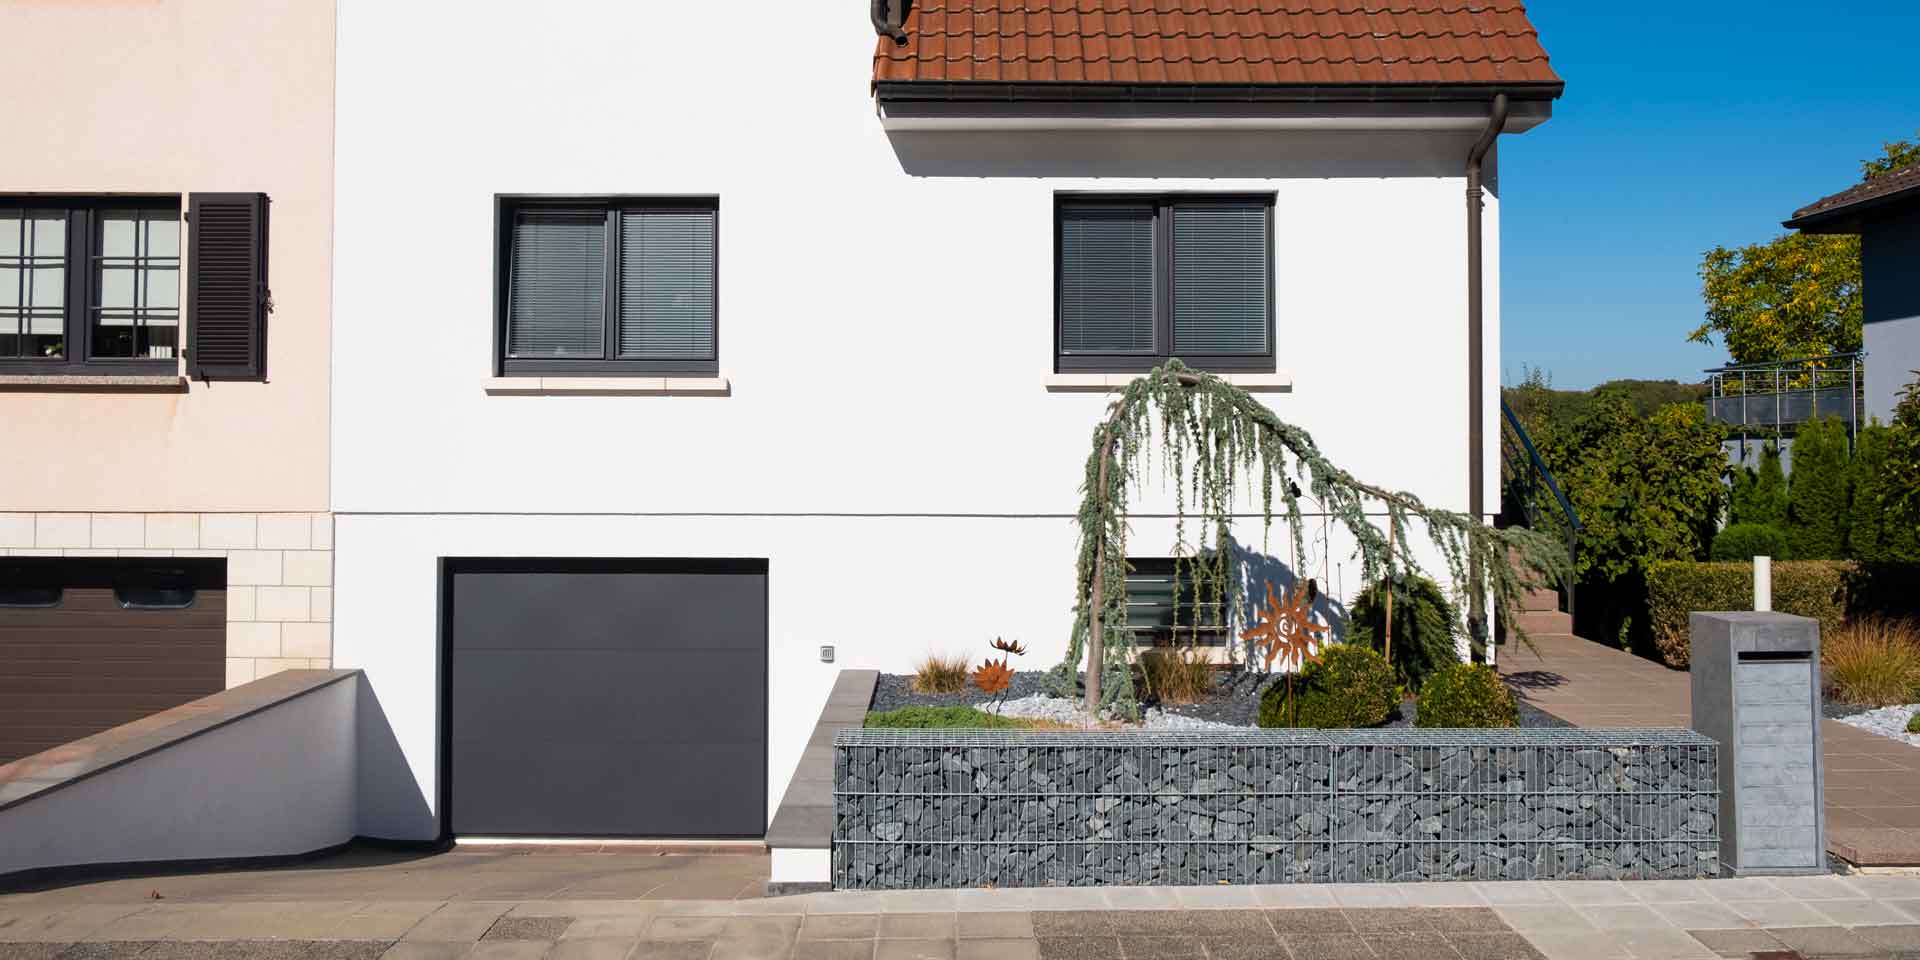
[[1220, 279], [1106, 279], [666, 284], [558, 305]]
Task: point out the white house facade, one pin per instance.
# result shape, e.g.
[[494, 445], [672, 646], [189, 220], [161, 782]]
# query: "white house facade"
[[675, 345]]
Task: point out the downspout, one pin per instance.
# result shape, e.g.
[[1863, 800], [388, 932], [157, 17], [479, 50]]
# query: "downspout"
[[888, 17], [1476, 353]]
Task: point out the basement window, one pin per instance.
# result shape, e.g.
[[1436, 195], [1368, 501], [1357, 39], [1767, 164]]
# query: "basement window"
[[1175, 603], [155, 588]]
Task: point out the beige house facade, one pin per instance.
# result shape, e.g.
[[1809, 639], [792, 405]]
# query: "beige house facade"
[[164, 395]]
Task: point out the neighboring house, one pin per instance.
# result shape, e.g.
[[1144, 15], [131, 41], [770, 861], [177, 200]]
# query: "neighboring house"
[[688, 354], [164, 530], [1885, 212]]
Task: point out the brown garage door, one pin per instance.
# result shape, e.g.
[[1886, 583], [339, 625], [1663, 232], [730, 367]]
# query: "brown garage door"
[[90, 644]]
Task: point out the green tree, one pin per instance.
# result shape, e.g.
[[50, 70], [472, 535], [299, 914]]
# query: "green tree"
[[1817, 491], [1902, 471], [1797, 295], [1645, 490], [1894, 155], [1760, 494], [1876, 529]]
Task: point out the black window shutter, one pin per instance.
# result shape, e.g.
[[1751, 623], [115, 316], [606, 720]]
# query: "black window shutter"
[[227, 297]]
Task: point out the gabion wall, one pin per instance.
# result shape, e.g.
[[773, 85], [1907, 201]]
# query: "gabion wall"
[[945, 808]]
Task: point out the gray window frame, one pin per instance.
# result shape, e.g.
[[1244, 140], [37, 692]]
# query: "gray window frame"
[[1165, 348], [610, 364], [83, 286]]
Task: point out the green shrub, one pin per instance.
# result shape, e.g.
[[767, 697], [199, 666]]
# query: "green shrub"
[[1424, 627], [1744, 541], [1760, 494], [1466, 695], [1878, 529], [1808, 588], [924, 718], [1349, 686], [1817, 491], [1913, 723]]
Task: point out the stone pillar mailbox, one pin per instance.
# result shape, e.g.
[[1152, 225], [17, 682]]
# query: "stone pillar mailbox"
[[1756, 690]]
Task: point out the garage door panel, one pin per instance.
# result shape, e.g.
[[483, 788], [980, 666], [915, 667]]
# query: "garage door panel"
[[624, 700], [609, 610], [671, 697]]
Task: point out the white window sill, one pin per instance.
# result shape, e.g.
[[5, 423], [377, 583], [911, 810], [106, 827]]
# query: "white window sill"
[[91, 383], [609, 386], [1281, 382]]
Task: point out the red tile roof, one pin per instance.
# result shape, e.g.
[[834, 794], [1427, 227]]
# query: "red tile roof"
[[1840, 213], [1256, 42]]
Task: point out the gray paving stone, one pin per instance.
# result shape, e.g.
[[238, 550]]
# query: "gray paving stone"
[[1903, 937], [995, 926], [428, 950], [833, 950], [1149, 923], [1326, 946], [1736, 943], [917, 926], [1389, 921], [34, 951], [1309, 920], [1243, 948], [752, 947], [910, 950], [528, 928], [1079, 948], [848, 926], [685, 928], [1590, 945], [1427, 945], [1229, 923], [783, 928], [1072, 923], [592, 948], [1826, 942], [98, 950], [1492, 946], [1660, 944], [509, 950], [998, 949], [1133, 945], [1464, 920], [671, 950]]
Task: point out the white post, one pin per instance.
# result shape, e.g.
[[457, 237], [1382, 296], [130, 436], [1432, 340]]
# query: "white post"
[[1763, 584]]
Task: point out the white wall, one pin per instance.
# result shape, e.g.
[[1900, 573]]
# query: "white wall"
[[277, 782], [885, 321]]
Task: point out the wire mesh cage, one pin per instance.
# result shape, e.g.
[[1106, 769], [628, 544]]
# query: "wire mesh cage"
[[920, 809]]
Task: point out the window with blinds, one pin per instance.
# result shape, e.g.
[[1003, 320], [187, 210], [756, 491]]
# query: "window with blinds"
[[1175, 602], [1143, 279], [618, 285]]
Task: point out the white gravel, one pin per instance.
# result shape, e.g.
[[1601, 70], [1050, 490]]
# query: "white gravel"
[[1890, 722], [1042, 707]]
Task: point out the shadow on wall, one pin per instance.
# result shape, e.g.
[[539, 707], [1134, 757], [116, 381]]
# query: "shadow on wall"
[[391, 806], [1195, 154], [1260, 569]]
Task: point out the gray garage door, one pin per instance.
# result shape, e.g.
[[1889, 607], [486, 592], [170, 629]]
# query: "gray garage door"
[[607, 698]]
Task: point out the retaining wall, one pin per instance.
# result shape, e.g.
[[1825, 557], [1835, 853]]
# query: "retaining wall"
[[945, 808]]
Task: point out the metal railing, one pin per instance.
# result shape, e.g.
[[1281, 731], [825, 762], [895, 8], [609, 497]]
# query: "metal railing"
[[1776, 396], [1526, 476]]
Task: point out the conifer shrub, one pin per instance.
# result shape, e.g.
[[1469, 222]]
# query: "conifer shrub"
[[1424, 628], [1466, 695], [1817, 491], [1744, 541], [1349, 686]]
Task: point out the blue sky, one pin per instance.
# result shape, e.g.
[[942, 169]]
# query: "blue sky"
[[1684, 126]]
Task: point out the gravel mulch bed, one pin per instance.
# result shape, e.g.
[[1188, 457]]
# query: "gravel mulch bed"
[[1889, 722], [1235, 700]]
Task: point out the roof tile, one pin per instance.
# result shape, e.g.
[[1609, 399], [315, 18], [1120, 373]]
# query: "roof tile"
[[1218, 41]]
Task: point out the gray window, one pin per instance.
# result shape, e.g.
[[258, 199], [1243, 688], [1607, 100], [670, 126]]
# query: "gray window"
[[90, 285], [1175, 602], [1142, 279], [609, 286]]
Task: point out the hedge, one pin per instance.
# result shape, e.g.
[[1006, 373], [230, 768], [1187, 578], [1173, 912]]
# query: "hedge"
[[1808, 588]]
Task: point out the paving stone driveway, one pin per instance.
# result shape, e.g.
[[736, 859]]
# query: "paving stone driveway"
[[253, 915]]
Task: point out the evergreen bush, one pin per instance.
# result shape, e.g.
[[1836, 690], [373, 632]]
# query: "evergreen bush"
[[1817, 491], [1744, 541], [1424, 627], [1808, 588], [1760, 494], [1878, 530], [1466, 695], [1349, 686]]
